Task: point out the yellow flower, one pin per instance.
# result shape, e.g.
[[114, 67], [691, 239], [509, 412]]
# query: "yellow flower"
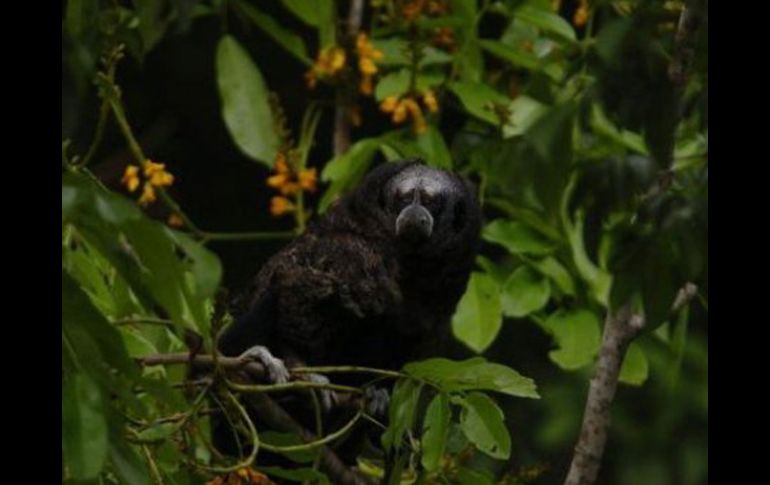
[[328, 62], [131, 177], [367, 66], [175, 221], [148, 195], [308, 179], [419, 120], [289, 188], [157, 174], [280, 164], [399, 113], [580, 16], [429, 99], [277, 181], [280, 206], [389, 104], [366, 49], [337, 61]]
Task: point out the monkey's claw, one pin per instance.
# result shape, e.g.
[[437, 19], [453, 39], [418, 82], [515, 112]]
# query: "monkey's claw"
[[377, 401], [277, 372], [327, 396]]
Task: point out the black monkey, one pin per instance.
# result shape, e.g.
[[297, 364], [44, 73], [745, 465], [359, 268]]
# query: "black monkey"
[[374, 282]]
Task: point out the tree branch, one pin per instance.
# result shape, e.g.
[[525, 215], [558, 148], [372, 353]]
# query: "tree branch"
[[341, 120], [620, 328]]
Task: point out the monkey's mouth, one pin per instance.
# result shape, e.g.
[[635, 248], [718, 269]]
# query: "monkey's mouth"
[[414, 224]]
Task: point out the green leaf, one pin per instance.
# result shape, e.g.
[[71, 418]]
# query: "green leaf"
[[395, 52], [316, 13], [158, 432], [80, 16], [84, 427], [478, 316], [433, 146], [153, 22], [436, 431], [346, 170], [602, 125], [578, 336], [517, 237], [635, 368], [471, 476], [481, 100], [472, 374], [546, 21], [526, 291], [128, 466], [304, 475], [245, 106], [287, 39], [403, 404], [204, 264], [522, 59], [483, 423], [598, 280], [525, 111], [397, 83], [552, 268]]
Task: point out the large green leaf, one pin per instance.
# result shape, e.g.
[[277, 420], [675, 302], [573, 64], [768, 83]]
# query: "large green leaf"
[[482, 101], [346, 170], [436, 431], [398, 83], [84, 427], [245, 105], [578, 336], [552, 268], [478, 316], [403, 404], [526, 291], [525, 111], [483, 423], [547, 21], [517, 237], [433, 146], [317, 13], [521, 58], [287, 39], [472, 374]]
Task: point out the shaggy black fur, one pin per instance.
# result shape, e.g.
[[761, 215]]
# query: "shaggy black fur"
[[374, 282]]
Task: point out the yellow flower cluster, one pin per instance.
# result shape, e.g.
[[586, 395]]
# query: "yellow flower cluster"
[[155, 175], [367, 55], [243, 476], [403, 108], [329, 61], [289, 183]]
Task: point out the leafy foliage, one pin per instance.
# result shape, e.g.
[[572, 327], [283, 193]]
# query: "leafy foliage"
[[591, 165]]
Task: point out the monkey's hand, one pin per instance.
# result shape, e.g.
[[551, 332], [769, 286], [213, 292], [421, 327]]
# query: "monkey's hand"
[[327, 397], [277, 372], [377, 401]]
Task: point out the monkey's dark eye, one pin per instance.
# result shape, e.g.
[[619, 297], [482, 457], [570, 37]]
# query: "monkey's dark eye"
[[433, 203], [403, 199]]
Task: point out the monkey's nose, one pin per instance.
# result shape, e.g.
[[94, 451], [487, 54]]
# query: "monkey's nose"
[[415, 223]]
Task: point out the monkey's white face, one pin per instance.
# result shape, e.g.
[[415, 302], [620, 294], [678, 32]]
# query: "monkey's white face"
[[418, 197]]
